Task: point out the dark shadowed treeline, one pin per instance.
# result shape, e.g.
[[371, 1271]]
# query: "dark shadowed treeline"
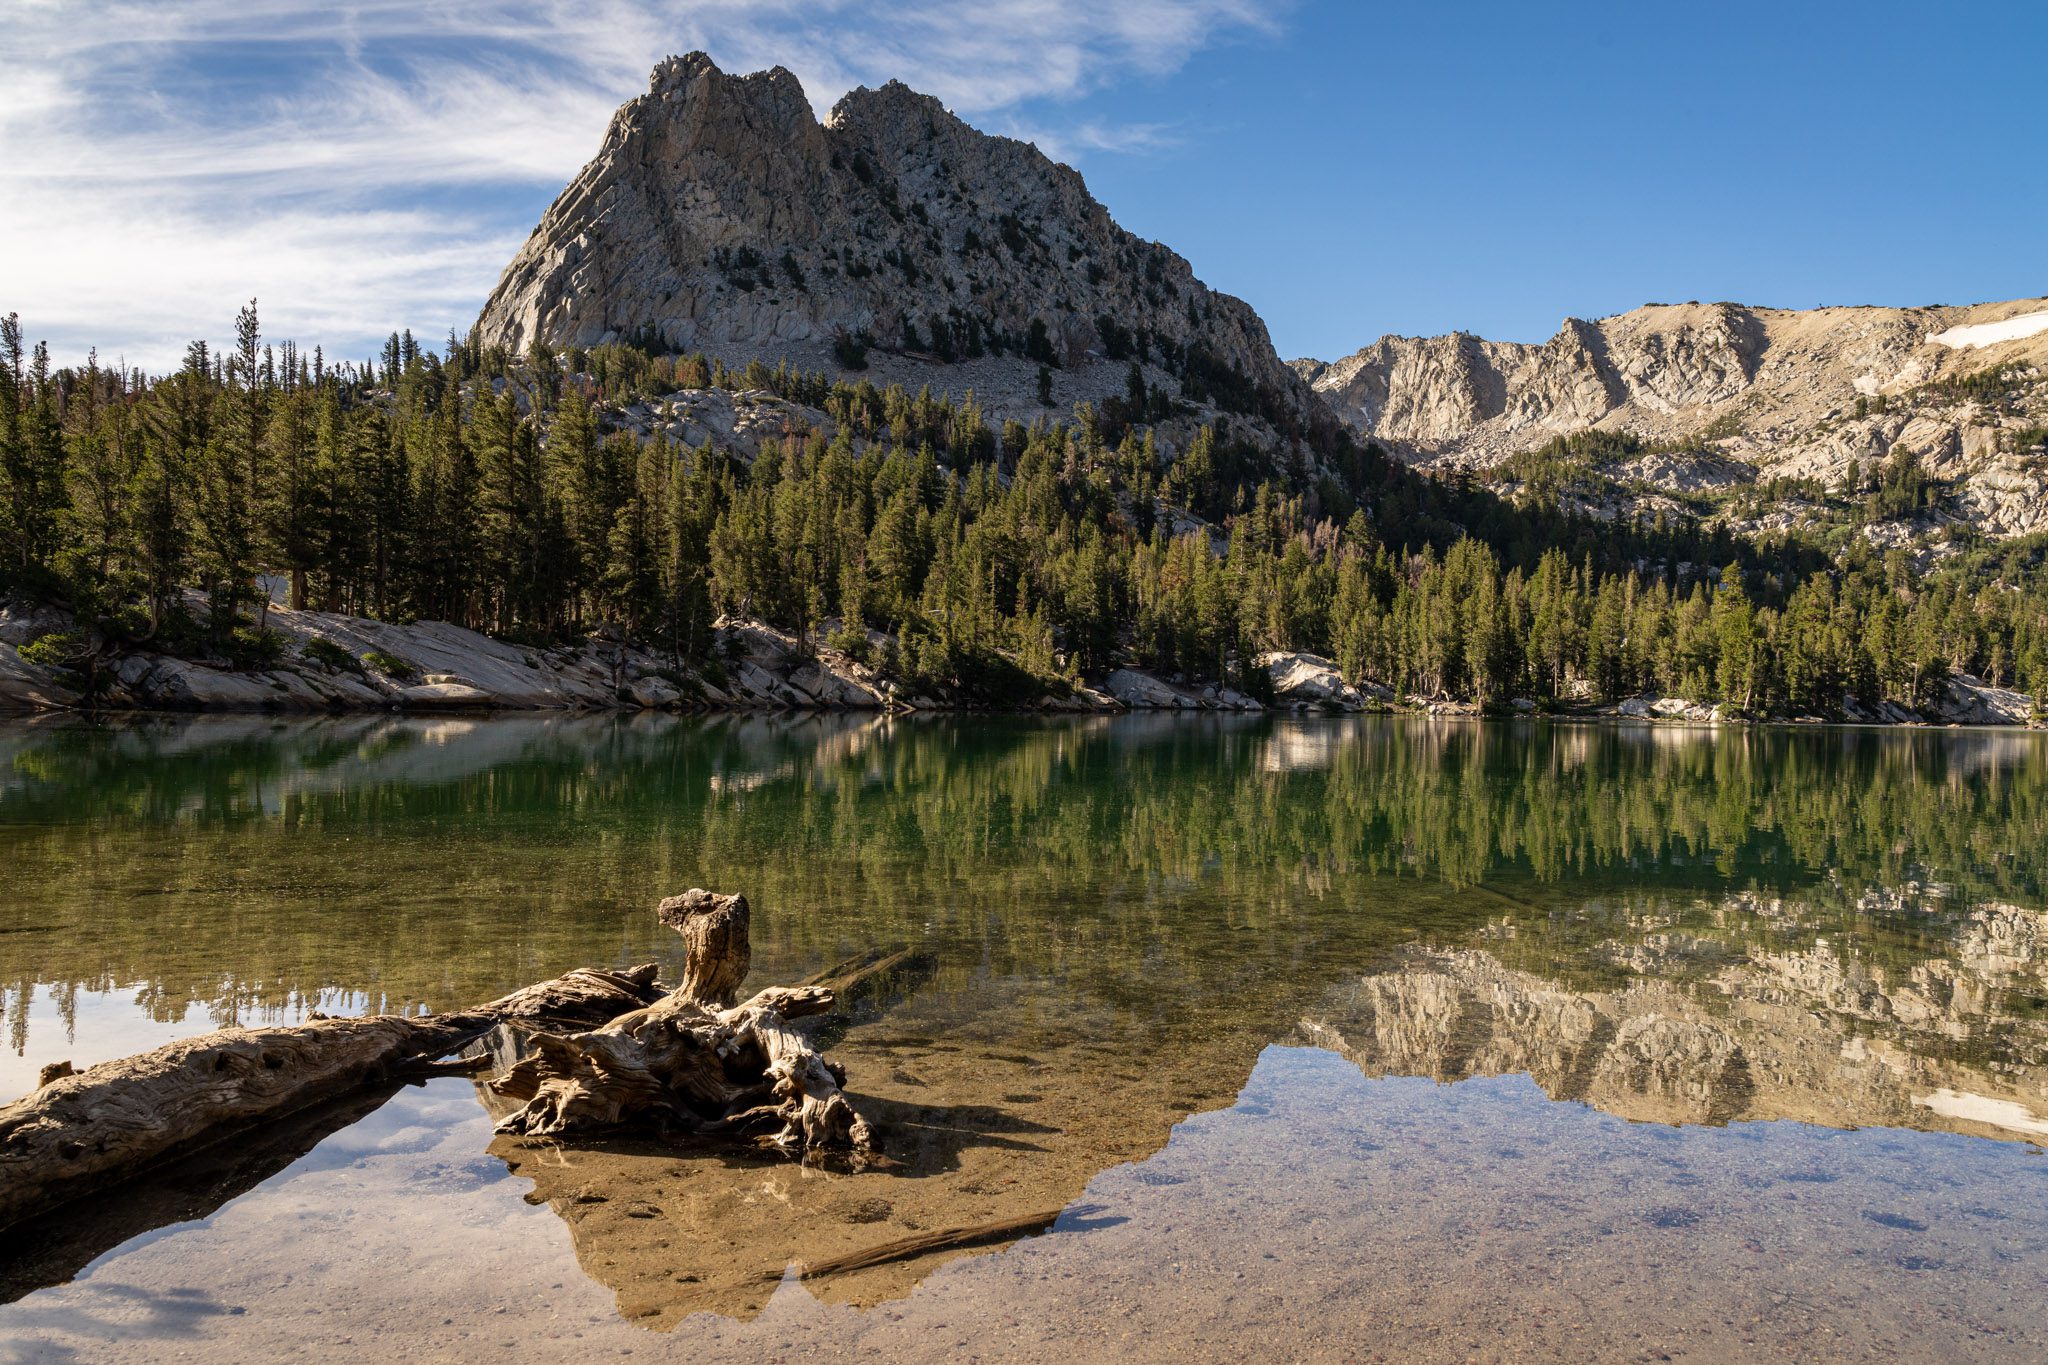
[[474, 487]]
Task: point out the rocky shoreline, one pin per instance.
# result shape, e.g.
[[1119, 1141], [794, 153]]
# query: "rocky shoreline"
[[334, 663]]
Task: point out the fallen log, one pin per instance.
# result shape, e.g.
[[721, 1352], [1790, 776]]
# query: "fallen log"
[[690, 1060], [82, 1131], [694, 1062]]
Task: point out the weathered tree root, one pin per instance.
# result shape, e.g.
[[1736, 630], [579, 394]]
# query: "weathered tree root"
[[82, 1131], [694, 1061]]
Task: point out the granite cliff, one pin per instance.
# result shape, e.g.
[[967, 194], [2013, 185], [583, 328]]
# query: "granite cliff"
[[720, 215]]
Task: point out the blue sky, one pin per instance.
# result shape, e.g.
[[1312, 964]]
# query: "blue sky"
[[1349, 168]]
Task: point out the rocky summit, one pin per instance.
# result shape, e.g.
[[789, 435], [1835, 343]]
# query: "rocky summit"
[[1714, 398], [722, 216]]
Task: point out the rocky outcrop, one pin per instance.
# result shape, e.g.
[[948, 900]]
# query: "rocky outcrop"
[[1962, 700], [721, 215], [330, 662], [1305, 681], [1971, 701], [1299, 682], [1670, 708], [1141, 691]]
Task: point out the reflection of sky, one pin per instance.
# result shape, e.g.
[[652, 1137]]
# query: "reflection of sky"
[[47, 1024], [1323, 1215], [395, 1221]]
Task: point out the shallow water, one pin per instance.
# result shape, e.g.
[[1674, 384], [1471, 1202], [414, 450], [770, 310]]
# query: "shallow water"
[[1309, 1038]]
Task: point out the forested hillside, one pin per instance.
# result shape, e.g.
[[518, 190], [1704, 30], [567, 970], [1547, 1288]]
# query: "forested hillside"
[[518, 495]]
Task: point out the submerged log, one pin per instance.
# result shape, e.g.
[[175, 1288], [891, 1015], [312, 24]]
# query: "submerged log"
[[689, 1060], [79, 1132], [694, 1062], [924, 1243]]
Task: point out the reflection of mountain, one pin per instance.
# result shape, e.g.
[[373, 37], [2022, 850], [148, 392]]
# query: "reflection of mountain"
[[1002, 1098], [1803, 1036]]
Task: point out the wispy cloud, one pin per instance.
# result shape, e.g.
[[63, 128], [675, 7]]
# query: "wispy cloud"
[[370, 163], [1073, 142]]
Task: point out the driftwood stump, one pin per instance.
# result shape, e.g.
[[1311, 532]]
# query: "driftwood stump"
[[717, 948], [694, 1061]]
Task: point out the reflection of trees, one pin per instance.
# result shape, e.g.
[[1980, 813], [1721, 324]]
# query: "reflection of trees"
[[245, 861]]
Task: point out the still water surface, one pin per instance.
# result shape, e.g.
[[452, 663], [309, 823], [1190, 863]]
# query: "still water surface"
[[1305, 1039]]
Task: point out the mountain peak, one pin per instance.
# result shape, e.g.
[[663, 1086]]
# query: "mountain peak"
[[695, 82], [893, 99], [672, 71], [720, 214]]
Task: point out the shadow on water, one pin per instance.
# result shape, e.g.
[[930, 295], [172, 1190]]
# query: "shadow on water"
[[55, 1247]]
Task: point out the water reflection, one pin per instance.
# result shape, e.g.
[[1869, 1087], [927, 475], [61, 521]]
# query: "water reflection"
[[1685, 927], [1770, 1037], [239, 864]]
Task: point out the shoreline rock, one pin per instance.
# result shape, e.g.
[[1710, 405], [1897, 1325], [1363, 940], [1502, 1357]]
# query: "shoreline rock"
[[330, 663]]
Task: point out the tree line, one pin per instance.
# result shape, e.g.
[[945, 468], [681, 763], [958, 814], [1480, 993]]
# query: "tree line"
[[989, 561]]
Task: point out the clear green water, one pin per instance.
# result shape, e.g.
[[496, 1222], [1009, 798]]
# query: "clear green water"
[[1597, 941]]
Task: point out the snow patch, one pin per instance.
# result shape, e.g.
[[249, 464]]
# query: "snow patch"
[[1960, 1104], [1991, 333]]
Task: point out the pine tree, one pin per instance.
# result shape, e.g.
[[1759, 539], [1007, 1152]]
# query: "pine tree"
[[1735, 638]]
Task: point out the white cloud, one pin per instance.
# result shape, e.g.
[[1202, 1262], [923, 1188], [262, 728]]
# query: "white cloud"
[[338, 278], [373, 163], [1070, 143]]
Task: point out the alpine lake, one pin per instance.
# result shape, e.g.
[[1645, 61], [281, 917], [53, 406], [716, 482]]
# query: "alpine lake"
[[1231, 1038]]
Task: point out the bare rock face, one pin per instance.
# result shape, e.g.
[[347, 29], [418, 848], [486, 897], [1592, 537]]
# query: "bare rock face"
[[1429, 388], [1661, 370], [1669, 360], [1825, 395], [1570, 379], [721, 215]]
